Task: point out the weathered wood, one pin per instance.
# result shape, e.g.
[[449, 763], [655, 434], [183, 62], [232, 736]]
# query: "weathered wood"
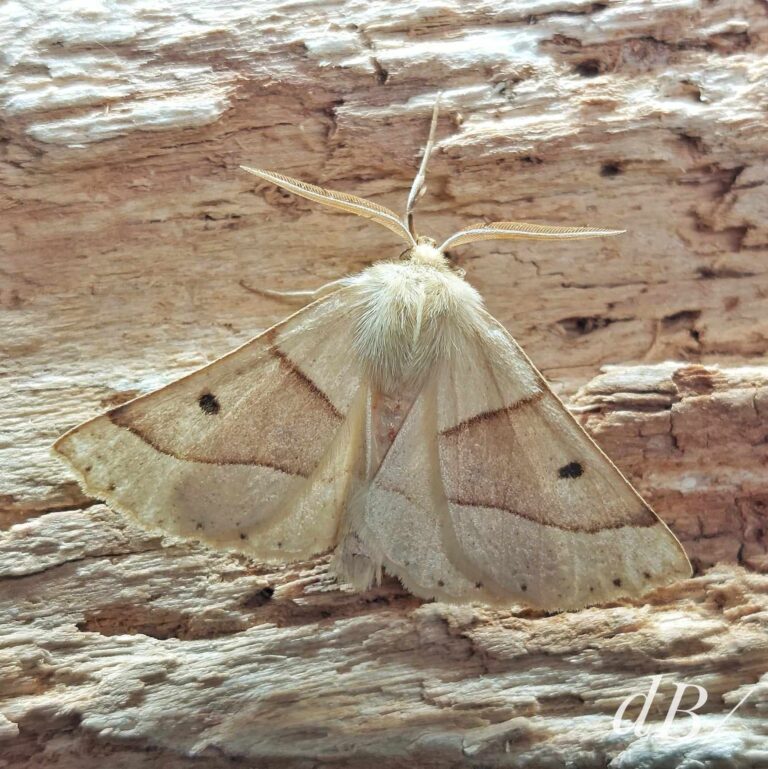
[[131, 243], [694, 441]]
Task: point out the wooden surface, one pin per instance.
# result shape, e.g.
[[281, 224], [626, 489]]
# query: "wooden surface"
[[129, 248]]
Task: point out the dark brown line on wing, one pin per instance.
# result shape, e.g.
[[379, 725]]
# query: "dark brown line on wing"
[[486, 415], [375, 485], [114, 417], [302, 377], [648, 518]]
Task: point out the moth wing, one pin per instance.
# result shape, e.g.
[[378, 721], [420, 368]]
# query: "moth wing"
[[398, 520], [255, 452], [537, 511], [491, 491]]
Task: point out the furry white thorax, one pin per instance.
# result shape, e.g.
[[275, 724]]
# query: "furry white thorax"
[[412, 314]]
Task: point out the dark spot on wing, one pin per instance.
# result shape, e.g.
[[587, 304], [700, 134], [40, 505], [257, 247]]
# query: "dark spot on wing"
[[209, 404], [523, 587], [617, 582], [440, 583], [571, 470], [243, 535], [647, 574], [478, 584]]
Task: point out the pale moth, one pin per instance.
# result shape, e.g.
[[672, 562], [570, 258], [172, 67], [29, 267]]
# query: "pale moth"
[[395, 423]]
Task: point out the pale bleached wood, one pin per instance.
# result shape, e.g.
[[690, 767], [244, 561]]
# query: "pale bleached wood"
[[129, 244]]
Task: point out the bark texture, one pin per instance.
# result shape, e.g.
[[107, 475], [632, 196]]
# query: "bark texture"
[[130, 247]]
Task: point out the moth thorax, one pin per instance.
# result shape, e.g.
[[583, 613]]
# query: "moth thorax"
[[411, 315]]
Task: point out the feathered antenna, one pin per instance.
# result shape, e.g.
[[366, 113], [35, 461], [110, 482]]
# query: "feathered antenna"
[[343, 200], [523, 231]]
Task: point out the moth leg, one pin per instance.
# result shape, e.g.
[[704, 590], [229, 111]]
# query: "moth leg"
[[308, 295]]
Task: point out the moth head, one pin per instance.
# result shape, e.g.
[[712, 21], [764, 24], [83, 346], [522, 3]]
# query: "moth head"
[[418, 245], [425, 252]]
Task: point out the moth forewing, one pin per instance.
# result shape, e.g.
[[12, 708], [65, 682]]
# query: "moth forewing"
[[233, 453], [551, 518]]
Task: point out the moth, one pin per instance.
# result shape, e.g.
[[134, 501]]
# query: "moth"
[[394, 423]]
